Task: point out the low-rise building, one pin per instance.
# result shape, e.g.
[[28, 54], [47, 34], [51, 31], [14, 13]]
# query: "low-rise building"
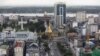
[[19, 48], [33, 20], [13, 17], [83, 32], [4, 50], [24, 35], [32, 49], [10, 34], [74, 24], [72, 33]]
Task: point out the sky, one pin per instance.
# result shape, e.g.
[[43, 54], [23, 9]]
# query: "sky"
[[48, 2]]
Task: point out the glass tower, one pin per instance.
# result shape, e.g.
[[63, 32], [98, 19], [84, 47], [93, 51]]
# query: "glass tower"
[[60, 14]]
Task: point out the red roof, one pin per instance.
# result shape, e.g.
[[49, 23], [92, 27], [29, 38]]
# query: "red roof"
[[18, 44]]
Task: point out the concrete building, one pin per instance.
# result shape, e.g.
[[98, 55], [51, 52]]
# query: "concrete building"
[[91, 20], [4, 50], [83, 32], [84, 29], [72, 34], [13, 17], [26, 36], [60, 14], [33, 20], [10, 34], [97, 35], [97, 20], [81, 16], [92, 28], [74, 24], [19, 48]]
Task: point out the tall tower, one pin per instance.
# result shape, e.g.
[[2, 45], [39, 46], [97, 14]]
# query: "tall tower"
[[60, 14]]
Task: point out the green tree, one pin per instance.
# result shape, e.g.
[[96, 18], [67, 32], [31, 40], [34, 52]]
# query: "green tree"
[[4, 25], [72, 30], [1, 28], [47, 49], [44, 36], [39, 26]]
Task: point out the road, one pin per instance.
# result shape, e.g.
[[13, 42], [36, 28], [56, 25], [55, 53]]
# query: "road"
[[54, 51], [42, 52]]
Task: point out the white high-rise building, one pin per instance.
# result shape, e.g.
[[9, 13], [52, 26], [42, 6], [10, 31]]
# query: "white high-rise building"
[[81, 16]]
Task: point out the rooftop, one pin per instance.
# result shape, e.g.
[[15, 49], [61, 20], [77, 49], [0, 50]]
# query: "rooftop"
[[4, 46], [19, 44]]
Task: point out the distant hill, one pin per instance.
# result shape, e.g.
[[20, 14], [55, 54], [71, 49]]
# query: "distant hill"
[[73, 9]]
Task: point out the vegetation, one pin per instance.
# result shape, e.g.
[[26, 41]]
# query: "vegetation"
[[47, 49], [89, 54], [1, 29], [4, 25], [45, 37], [71, 30], [39, 26], [13, 24], [63, 50]]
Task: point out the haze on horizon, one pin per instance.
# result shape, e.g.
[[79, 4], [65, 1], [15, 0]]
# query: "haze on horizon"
[[49, 2]]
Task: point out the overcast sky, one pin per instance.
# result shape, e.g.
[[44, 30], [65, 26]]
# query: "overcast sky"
[[48, 2]]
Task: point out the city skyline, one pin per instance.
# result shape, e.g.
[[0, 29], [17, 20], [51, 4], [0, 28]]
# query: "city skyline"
[[48, 2]]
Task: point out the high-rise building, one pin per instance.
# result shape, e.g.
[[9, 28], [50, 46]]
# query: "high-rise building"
[[60, 14], [81, 16]]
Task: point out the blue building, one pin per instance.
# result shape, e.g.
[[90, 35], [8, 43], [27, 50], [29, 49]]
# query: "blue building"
[[60, 14]]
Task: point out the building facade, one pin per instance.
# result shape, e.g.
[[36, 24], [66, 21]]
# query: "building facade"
[[10, 34], [81, 16], [91, 20], [60, 14], [19, 48], [92, 28]]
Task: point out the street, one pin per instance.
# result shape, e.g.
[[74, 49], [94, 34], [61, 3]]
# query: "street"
[[54, 51]]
